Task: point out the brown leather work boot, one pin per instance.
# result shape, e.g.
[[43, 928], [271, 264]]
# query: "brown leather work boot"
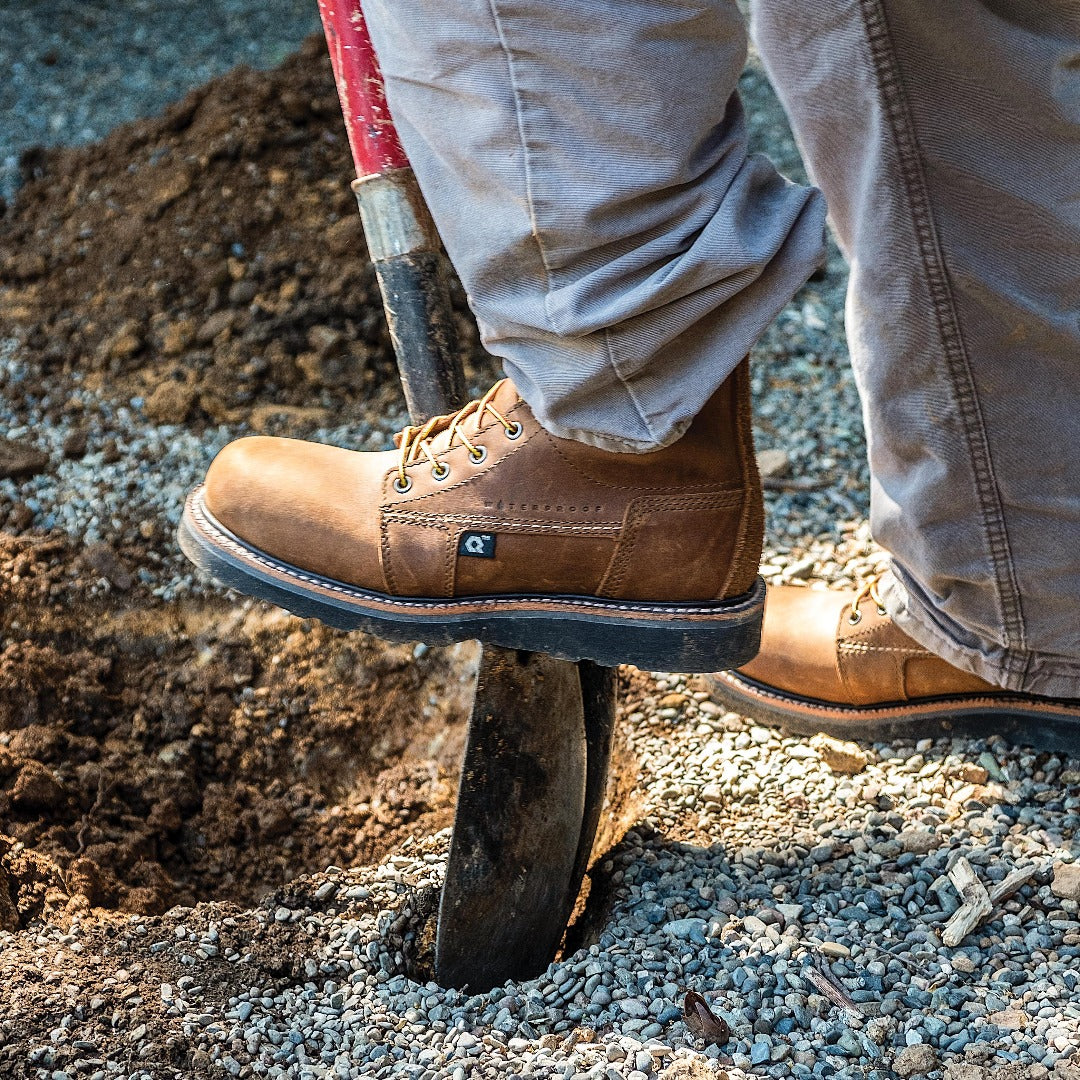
[[835, 662], [483, 525]]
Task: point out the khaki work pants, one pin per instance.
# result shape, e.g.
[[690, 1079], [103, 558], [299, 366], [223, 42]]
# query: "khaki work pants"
[[586, 163]]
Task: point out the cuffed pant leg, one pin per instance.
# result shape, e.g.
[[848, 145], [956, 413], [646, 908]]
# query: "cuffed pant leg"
[[586, 165], [947, 140]]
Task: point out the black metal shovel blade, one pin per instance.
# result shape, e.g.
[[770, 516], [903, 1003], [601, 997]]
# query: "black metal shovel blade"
[[511, 877], [599, 698]]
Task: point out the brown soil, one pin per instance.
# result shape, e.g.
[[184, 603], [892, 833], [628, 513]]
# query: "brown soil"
[[153, 755], [210, 261]]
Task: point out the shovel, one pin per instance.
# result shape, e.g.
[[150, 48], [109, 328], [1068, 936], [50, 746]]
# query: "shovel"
[[539, 739]]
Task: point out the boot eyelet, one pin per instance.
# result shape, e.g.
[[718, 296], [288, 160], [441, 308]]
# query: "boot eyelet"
[[480, 456], [401, 488], [441, 471], [514, 431], [882, 612], [855, 618]]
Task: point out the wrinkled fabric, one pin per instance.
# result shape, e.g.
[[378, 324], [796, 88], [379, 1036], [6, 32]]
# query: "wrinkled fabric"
[[946, 138], [586, 165]]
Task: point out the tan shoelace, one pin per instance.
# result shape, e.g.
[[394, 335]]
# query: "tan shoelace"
[[414, 442], [867, 591]]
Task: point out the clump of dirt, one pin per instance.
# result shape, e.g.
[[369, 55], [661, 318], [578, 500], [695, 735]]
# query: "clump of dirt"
[[154, 754], [209, 261]]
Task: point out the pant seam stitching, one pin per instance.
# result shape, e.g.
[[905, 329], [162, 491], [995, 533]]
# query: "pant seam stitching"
[[954, 349], [535, 225], [609, 348], [526, 158]]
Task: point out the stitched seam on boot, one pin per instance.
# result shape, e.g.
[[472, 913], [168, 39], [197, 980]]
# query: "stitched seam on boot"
[[954, 348], [480, 523], [846, 660], [736, 608], [639, 511], [732, 487], [744, 435], [449, 560], [858, 646], [384, 555]]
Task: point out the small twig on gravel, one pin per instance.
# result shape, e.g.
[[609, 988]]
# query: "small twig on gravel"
[[832, 990], [1008, 885], [976, 906]]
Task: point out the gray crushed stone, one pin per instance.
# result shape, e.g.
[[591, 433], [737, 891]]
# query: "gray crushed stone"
[[755, 870]]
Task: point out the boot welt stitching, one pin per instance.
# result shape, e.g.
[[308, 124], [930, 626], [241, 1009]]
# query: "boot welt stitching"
[[224, 540], [1006, 697]]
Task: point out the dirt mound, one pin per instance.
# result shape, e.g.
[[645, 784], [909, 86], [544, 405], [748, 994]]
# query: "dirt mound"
[[206, 261], [154, 754]]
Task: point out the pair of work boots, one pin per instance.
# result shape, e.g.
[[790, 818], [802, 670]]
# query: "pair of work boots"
[[484, 525]]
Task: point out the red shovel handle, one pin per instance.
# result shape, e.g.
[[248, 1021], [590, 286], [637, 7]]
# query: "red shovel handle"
[[402, 241], [374, 141]]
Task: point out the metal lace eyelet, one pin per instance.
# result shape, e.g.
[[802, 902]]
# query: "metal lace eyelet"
[[514, 431], [401, 488], [881, 611], [480, 456], [855, 618], [440, 471]]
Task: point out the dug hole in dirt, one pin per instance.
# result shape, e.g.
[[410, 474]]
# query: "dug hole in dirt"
[[159, 753]]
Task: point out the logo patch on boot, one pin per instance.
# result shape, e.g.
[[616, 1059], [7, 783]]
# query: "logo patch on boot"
[[477, 544]]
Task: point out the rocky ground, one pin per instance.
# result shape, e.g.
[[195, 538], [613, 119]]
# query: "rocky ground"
[[220, 826]]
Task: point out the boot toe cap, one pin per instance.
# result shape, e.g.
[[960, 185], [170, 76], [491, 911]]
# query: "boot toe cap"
[[798, 643], [236, 482], [301, 503]]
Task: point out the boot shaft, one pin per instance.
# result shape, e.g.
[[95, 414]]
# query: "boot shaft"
[[554, 515]]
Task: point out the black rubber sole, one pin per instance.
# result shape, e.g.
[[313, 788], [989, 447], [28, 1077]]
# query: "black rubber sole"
[[1022, 719], [708, 636]]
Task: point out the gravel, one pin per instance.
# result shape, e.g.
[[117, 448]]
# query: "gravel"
[[754, 873]]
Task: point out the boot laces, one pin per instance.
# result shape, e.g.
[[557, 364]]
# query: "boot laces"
[[868, 590], [414, 441]]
